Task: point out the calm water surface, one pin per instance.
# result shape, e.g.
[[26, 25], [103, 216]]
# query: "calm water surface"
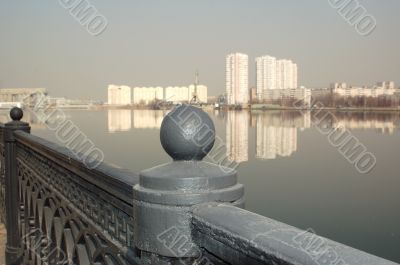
[[290, 171]]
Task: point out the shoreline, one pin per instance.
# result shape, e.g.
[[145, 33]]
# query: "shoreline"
[[250, 108]]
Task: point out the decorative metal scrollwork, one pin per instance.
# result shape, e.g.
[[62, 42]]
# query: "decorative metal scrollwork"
[[64, 219], [2, 181]]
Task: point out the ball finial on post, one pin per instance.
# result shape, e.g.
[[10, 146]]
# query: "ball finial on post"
[[187, 133], [166, 194], [16, 114]]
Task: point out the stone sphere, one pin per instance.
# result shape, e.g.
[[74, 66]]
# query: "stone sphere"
[[187, 133], [16, 114]]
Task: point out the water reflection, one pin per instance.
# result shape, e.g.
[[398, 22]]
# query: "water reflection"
[[119, 120], [276, 133], [147, 119], [237, 136], [381, 122], [371, 199], [123, 120], [275, 141]]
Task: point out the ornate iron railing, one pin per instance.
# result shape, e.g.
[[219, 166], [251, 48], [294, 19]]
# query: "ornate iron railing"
[[185, 212], [85, 215], [2, 177]]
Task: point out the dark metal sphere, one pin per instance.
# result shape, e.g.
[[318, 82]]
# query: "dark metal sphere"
[[187, 133], [16, 114]]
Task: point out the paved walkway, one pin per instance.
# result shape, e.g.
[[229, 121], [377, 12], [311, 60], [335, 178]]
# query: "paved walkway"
[[2, 243]]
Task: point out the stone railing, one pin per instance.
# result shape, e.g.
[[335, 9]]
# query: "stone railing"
[[58, 211]]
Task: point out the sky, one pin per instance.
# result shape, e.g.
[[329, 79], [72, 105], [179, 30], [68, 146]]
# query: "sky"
[[163, 42]]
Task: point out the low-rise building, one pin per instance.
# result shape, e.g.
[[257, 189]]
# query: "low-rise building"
[[363, 91], [386, 84], [25, 96], [295, 94]]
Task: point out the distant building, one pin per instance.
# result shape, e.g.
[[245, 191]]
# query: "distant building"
[[338, 85], [386, 84], [147, 95], [57, 101], [295, 94], [267, 74], [275, 74], [202, 95], [320, 92], [177, 94], [119, 95], [286, 74], [21, 95], [9, 105], [237, 78], [342, 89], [253, 95]]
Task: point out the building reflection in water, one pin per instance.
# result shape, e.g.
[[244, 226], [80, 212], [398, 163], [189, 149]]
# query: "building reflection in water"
[[381, 122], [237, 136], [119, 120], [147, 119], [276, 133]]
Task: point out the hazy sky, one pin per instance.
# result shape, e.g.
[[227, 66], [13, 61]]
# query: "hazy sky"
[[162, 42]]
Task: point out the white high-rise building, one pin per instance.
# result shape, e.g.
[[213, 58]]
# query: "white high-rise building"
[[295, 76], [119, 95], [237, 78], [287, 74], [280, 73], [267, 73], [275, 74]]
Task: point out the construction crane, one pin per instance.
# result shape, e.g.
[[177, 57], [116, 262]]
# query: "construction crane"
[[195, 98]]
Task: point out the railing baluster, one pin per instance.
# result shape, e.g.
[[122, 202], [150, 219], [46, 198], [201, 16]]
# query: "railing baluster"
[[13, 252]]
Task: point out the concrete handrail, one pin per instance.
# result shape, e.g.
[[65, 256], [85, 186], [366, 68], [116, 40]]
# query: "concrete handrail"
[[242, 237]]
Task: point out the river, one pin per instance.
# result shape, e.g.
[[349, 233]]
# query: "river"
[[290, 169]]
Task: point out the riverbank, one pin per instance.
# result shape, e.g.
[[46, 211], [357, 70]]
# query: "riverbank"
[[346, 109], [255, 107]]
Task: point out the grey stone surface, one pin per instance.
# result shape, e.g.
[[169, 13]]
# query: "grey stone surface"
[[241, 237]]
